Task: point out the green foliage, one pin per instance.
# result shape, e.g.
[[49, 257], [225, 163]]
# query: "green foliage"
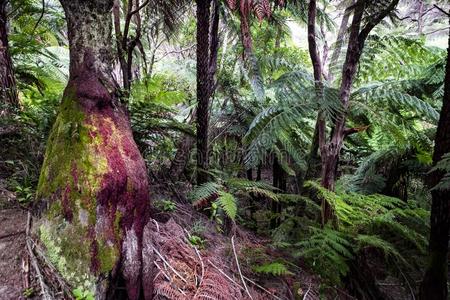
[[327, 249], [228, 203], [444, 166], [274, 269], [388, 224], [205, 191], [28, 293], [165, 205], [24, 194], [224, 195], [81, 294], [197, 241]]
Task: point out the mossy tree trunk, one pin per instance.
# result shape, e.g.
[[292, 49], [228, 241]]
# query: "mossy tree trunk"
[[93, 188], [434, 284], [8, 91]]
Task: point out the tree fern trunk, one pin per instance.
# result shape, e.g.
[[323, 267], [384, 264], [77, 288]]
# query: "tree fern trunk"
[[207, 48], [203, 14], [93, 185], [181, 159], [8, 90], [279, 182], [434, 284]]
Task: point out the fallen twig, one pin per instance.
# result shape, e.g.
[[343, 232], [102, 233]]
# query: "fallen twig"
[[44, 288], [307, 292], [167, 263], [262, 288], [407, 282], [162, 272], [239, 268], [199, 257], [225, 274], [157, 225], [11, 234]]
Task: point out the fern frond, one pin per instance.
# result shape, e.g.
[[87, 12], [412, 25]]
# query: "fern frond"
[[377, 242], [274, 268], [228, 203], [204, 192], [388, 94], [444, 166]]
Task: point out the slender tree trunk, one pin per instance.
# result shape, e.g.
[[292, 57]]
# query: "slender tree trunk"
[[8, 90], [125, 45], [207, 48], [321, 124], [313, 156], [340, 39], [434, 284], [420, 17], [93, 188], [279, 178], [330, 151]]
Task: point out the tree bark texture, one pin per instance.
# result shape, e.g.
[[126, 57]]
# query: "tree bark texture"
[[279, 177], [330, 151], [327, 212], [8, 89], [93, 187], [434, 284], [207, 46]]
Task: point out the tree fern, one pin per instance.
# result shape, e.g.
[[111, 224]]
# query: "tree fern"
[[327, 249], [378, 242]]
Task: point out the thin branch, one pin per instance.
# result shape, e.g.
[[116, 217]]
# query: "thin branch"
[[262, 288], [44, 288], [372, 23], [200, 258], [307, 292], [436, 30], [442, 10], [167, 263], [139, 8], [11, 234], [40, 17], [239, 268]]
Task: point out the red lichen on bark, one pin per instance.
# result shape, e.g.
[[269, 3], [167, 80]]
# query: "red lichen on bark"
[[118, 206]]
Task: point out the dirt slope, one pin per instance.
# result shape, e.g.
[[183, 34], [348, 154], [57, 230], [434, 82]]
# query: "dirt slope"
[[12, 249]]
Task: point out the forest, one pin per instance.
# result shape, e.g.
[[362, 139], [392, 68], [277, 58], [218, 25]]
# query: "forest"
[[224, 149]]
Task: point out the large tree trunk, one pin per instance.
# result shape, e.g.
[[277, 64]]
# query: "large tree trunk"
[[203, 14], [207, 46], [93, 188], [8, 90], [434, 284]]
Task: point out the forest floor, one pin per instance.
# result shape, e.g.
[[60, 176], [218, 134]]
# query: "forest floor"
[[12, 252], [186, 267]]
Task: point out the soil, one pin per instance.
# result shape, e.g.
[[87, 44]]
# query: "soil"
[[12, 252]]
